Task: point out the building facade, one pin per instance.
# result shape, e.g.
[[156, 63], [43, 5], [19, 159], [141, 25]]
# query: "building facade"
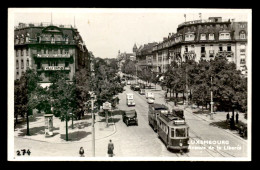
[[204, 39], [47, 48]]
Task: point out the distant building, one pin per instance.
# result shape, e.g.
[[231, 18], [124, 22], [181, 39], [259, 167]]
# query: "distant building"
[[204, 39], [122, 57], [47, 48]]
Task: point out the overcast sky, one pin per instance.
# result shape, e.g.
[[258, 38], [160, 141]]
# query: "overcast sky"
[[105, 31]]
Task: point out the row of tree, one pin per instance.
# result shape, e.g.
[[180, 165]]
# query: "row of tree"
[[198, 79], [228, 85], [63, 97]]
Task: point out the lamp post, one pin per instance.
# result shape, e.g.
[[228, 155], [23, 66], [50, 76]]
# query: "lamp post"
[[211, 103], [93, 123]]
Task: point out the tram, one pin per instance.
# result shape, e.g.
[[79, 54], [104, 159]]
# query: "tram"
[[173, 131], [154, 111]]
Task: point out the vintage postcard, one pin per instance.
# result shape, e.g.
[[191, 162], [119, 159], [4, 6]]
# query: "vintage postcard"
[[97, 84]]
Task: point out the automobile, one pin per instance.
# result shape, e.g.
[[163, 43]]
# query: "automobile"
[[130, 117], [142, 91], [128, 83], [136, 87], [150, 100], [132, 87], [149, 95]]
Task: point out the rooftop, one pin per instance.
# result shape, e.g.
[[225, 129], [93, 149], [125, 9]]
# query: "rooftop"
[[210, 20], [42, 24]]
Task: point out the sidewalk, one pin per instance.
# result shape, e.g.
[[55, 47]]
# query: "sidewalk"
[[82, 131]]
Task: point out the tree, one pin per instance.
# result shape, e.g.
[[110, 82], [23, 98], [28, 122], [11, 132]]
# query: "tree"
[[25, 94]]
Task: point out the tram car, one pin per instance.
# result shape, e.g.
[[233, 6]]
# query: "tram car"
[[154, 111], [173, 131]]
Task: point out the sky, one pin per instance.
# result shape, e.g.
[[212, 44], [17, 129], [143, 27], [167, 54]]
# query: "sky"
[[106, 31]]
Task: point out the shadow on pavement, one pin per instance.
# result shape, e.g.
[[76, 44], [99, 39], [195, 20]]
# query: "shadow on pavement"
[[80, 125], [75, 136], [221, 124], [35, 131]]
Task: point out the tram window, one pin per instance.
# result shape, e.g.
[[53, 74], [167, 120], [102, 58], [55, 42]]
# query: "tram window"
[[187, 132], [180, 132], [172, 132]]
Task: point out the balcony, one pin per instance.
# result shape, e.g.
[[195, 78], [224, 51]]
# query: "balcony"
[[203, 54], [225, 54], [189, 55], [35, 41], [52, 55], [202, 21]]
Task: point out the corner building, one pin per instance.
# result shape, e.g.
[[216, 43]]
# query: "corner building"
[[204, 39], [48, 48]]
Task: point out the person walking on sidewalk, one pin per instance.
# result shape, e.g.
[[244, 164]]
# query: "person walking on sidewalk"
[[110, 149], [228, 116], [81, 152]]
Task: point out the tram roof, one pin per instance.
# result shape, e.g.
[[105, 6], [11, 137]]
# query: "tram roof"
[[158, 106]]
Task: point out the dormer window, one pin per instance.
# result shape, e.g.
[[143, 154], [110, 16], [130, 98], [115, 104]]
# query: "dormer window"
[[52, 39], [27, 62], [224, 36], [211, 36], [202, 36], [242, 35], [17, 40], [189, 37]]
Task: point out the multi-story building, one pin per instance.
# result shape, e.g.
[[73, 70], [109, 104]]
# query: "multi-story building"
[[204, 39], [48, 48], [144, 55]]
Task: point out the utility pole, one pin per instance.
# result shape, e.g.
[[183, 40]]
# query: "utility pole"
[[66, 126], [187, 94], [136, 74], [211, 103]]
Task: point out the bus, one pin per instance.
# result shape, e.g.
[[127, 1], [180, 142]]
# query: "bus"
[[173, 131], [130, 99]]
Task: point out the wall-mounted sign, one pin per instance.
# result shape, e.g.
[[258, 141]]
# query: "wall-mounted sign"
[[54, 68]]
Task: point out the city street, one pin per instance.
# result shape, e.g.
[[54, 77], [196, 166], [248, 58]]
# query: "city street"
[[141, 140]]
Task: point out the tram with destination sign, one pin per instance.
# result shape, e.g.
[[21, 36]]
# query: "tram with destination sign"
[[173, 131]]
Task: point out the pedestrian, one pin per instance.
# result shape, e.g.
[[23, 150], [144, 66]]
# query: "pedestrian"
[[241, 130], [81, 152], [228, 116], [110, 149], [237, 118]]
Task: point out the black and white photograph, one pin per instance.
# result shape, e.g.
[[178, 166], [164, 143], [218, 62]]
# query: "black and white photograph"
[[129, 84]]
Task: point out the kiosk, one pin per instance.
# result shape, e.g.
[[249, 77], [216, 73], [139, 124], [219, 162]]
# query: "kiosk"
[[48, 125]]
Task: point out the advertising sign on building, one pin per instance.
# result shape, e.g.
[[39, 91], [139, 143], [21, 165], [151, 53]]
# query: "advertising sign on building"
[[54, 68]]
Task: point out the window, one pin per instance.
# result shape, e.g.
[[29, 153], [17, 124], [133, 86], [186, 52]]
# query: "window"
[[55, 51], [224, 36], [172, 132], [202, 48], [52, 39], [27, 52], [242, 35], [39, 65], [66, 51], [17, 64], [229, 48], [17, 53], [180, 132], [211, 55], [242, 26], [22, 65], [202, 36], [44, 50], [211, 36], [66, 64], [38, 51], [27, 62], [192, 48], [242, 61], [21, 52], [17, 73], [186, 49], [220, 48]]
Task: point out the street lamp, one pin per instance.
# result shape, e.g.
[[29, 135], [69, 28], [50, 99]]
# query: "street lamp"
[[93, 97], [211, 103]]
